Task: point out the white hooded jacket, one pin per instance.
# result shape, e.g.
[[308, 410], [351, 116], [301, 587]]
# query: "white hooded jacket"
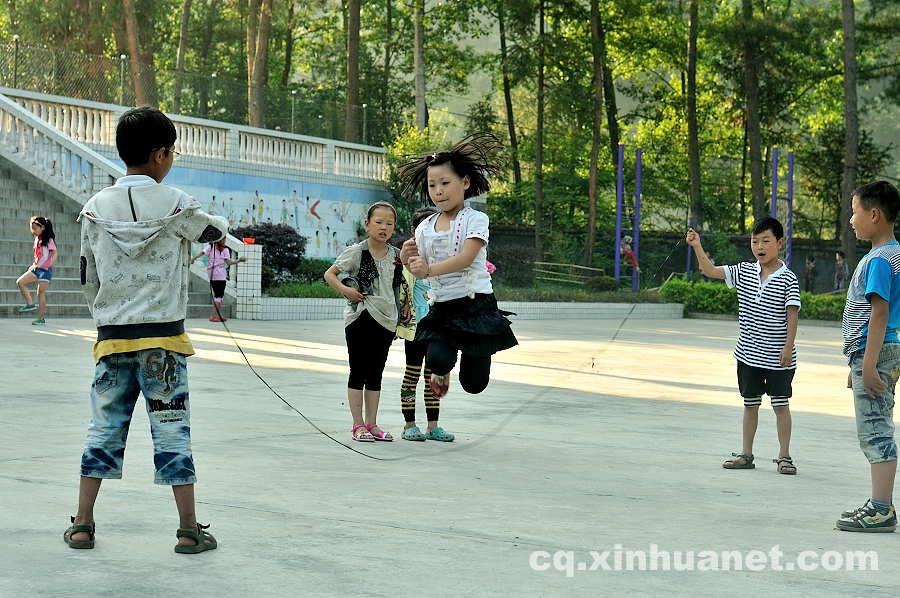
[[135, 254]]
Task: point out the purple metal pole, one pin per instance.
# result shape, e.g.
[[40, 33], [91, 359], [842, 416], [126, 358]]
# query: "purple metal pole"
[[774, 206], [617, 271], [638, 160], [690, 253], [790, 208]]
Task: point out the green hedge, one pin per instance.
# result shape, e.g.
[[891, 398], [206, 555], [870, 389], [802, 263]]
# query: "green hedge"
[[313, 290], [716, 298]]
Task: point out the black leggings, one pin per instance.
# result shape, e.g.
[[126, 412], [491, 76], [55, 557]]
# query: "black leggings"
[[474, 371], [368, 343]]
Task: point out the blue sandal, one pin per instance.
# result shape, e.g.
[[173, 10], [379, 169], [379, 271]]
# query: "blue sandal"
[[413, 433], [439, 434]]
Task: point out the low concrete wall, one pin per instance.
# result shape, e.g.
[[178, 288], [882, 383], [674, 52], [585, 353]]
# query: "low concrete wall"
[[278, 308]]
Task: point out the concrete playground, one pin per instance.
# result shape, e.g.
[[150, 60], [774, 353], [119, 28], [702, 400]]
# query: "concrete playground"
[[580, 452]]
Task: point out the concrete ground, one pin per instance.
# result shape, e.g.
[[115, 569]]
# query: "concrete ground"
[[577, 445]]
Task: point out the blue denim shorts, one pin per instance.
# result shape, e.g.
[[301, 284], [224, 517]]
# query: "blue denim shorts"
[[43, 274], [162, 378], [874, 414]]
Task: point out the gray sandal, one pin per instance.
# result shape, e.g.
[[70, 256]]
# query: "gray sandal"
[[204, 540], [736, 462], [89, 528]]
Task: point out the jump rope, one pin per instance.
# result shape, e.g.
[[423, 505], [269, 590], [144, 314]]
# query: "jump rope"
[[490, 434]]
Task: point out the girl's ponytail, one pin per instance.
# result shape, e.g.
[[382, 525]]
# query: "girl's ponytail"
[[47, 232]]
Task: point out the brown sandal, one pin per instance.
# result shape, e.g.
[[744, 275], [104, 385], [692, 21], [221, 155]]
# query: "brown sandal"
[[741, 461], [89, 528], [786, 465]]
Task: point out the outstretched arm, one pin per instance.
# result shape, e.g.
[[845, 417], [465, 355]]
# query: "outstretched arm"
[[709, 269]]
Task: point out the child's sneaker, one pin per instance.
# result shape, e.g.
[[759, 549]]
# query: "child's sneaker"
[[867, 518], [39, 322], [26, 308]]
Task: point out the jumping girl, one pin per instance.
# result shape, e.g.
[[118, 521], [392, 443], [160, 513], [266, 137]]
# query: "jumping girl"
[[41, 270], [218, 256], [450, 250], [371, 281]]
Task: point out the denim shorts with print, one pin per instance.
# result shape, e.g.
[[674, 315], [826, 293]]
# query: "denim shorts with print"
[[162, 378], [874, 414]]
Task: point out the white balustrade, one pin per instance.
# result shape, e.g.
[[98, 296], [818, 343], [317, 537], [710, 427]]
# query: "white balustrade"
[[94, 123]]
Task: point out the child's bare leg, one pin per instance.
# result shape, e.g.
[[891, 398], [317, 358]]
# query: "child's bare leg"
[[883, 480], [187, 515], [88, 488], [783, 423], [373, 397], [750, 423], [22, 282], [42, 298], [355, 400]]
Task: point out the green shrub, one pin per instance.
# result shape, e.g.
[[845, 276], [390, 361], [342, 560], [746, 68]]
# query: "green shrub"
[[602, 284], [822, 307], [313, 290], [310, 270], [716, 298], [282, 247]]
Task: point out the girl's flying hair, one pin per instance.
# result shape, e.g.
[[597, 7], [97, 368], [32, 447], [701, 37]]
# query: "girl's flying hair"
[[47, 232], [477, 156]]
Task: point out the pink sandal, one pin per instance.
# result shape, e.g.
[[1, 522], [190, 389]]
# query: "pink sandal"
[[380, 434], [361, 434]]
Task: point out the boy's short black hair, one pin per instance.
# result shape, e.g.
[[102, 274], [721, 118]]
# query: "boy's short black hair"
[[841, 253], [420, 215], [142, 130], [768, 223], [881, 195]]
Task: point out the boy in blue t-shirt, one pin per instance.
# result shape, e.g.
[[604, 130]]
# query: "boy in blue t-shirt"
[[869, 327]]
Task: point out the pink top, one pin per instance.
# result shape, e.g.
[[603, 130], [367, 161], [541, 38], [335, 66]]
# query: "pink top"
[[215, 261], [42, 255]]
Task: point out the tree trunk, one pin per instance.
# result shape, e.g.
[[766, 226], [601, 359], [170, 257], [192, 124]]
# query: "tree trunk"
[[597, 68], [693, 135], [257, 60], [743, 194], [507, 96], [206, 58], [351, 119], [609, 93], [851, 130], [386, 81], [288, 46], [539, 141], [139, 75], [182, 48], [419, 64], [751, 94]]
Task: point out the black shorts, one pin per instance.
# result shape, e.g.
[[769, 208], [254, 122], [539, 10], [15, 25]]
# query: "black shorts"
[[754, 382], [218, 288]]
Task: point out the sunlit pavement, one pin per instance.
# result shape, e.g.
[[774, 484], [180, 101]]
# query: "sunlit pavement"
[[578, 445]]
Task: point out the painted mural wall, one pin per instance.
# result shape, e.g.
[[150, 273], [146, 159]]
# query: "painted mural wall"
[[326, 214]]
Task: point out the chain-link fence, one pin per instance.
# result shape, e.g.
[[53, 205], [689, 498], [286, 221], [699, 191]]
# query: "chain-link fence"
[[302, 110]]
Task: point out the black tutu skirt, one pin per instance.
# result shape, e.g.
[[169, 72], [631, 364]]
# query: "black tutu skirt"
[[473, 326]]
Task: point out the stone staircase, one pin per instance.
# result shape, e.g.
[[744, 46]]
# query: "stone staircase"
[[21, 197]]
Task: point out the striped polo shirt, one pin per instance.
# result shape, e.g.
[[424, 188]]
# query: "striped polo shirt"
[[762, 313], [877, 273]]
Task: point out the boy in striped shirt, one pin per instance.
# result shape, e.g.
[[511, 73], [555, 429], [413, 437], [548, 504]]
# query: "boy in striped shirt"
[[869, 327], [768, 307]]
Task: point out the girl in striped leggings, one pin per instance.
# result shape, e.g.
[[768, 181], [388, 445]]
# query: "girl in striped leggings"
[[415, 357]]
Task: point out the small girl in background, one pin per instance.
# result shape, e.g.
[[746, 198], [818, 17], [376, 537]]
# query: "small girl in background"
[[41, 270], [450, 250], [415, 355], [372, 288], [217, 257]]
